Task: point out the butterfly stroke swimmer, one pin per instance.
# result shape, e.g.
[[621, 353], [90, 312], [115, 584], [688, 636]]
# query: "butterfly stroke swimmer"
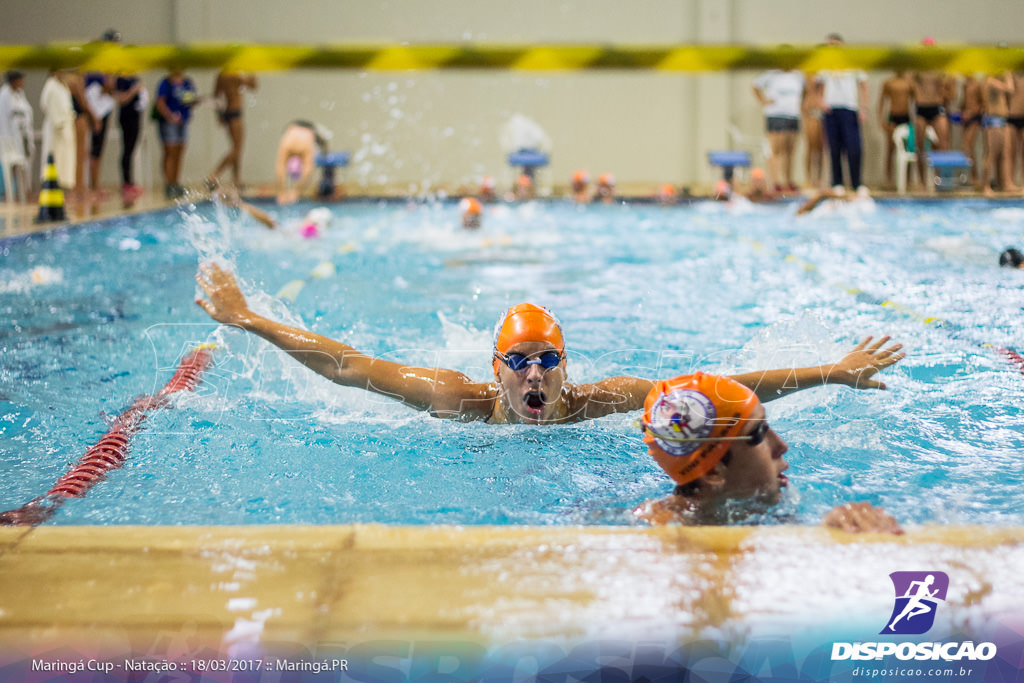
[[529, 362]]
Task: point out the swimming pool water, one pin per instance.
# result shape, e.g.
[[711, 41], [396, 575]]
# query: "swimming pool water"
[[102, 313]]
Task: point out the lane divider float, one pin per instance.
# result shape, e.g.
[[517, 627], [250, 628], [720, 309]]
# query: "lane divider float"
[[111, 451]]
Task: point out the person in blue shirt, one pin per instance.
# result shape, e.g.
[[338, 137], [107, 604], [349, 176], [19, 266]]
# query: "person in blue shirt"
[[175, 97]]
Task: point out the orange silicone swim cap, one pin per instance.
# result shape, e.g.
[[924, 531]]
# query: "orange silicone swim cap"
[[470, 206], [757, 173], [581, 177], [606, 179], [696, 406], [524, 181], [526, 322]]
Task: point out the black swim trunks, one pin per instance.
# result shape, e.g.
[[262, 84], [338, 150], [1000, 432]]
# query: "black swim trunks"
[[1016, 121], [931, 113], [899, 119], [229, 115]]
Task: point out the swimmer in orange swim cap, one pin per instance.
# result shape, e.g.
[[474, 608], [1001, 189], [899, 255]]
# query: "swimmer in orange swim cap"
[[471, 213], [711, 436], [581, 186], [666, 194], [605, 188], [487, 195], [529, 365], [524, 188], [529, 383]]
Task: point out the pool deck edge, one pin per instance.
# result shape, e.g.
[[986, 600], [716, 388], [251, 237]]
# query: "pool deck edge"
[[131, 586]]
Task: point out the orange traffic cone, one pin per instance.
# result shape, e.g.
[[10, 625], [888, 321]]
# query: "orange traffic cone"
[[51, 197]]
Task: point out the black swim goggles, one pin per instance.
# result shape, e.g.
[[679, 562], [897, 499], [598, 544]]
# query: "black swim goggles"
[[521, 363], [753, 438]]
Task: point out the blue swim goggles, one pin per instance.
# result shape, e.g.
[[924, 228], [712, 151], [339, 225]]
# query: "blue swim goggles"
[[521, 363]]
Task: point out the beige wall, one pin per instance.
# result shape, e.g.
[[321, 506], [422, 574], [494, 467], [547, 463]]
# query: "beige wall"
[[427, 129]]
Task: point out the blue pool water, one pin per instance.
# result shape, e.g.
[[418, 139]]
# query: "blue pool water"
[[102, 313]]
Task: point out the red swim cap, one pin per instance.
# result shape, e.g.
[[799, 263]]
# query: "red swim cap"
[[526, 322], [696, 406]]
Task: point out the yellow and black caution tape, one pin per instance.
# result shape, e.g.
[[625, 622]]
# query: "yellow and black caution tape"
[[112, 57]]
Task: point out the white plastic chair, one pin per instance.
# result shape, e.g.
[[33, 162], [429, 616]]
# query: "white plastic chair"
[[758, 146], [12, 156], [905, 158]]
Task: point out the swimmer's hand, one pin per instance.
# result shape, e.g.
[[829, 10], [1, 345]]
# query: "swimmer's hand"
[[858, 368], [861, 518], [226, 302]]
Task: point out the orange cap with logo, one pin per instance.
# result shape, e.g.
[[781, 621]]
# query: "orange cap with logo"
[[526, 322], [696, 406]]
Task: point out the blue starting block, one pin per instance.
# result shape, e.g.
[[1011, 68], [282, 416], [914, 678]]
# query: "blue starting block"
[[332, 160], [329, 162], [528, 158], [729, 160], [946, 164]]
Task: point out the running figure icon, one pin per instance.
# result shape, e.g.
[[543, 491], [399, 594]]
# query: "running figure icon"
[[917, 596]]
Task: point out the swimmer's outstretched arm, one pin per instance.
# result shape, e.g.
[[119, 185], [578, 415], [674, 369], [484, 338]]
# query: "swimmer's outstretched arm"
[[444, 393], [856, 369]]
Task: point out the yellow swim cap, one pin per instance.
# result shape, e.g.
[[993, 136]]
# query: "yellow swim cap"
[[526, 322], [696, 406]]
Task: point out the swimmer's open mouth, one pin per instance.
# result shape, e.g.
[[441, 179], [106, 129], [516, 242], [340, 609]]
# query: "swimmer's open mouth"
[[783, 480], [534, 400]]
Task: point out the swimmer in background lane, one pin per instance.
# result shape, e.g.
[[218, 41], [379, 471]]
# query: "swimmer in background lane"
[[471, 213], [836, 197], [524, 188], [1011, 258], [529, 363], [605, 189], [759, 191], [581, 186], [296, 159], [487, 194], [711, 436]]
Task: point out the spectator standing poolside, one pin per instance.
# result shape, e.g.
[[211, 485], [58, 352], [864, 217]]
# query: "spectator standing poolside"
[[893, 111], [970, 121], [16, 118], [781, 94], [845, 94], [996, 93], [814, 133], [228, 92], [930, 93], [57, 106], [132, 99], [175, 98]]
